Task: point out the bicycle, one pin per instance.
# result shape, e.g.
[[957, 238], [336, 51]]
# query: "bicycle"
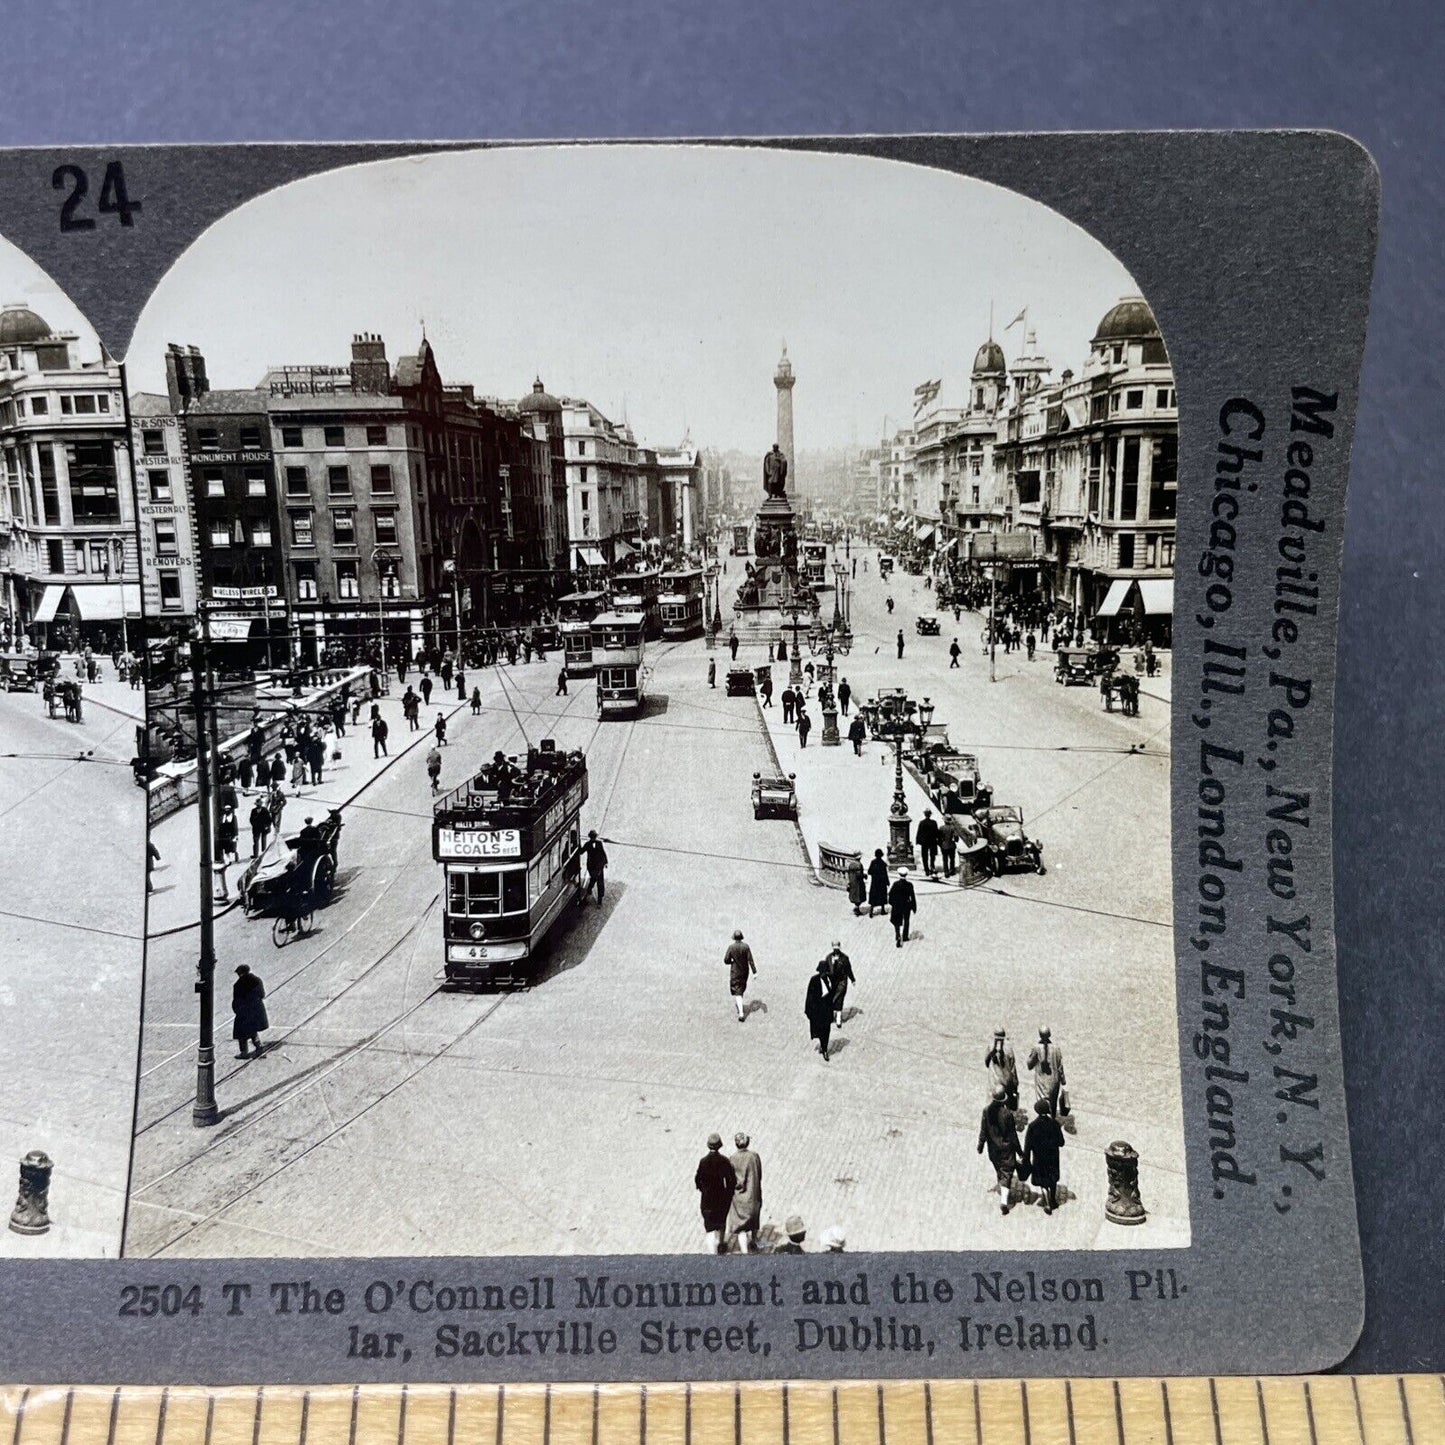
[[292, 923]]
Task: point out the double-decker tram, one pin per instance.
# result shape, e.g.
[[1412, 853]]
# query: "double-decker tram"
[[740, 541], [618, 649], [638, 592], [815, 563], [509, 842], [577, 611], [681, 602]]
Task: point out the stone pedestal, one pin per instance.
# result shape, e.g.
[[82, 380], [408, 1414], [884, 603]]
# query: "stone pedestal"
[[900, 834], [1124, 1205], [31, 1214], [830, 728]]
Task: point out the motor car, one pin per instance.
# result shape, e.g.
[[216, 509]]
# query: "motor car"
[[741, 682], [774, 796], [1009, 846], [926, 626], [957, 785], [19, 674], [1073, 670]]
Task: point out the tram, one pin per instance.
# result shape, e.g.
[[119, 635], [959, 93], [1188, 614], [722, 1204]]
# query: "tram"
[[815, 563], [681, 602], [618, 648], [509, 841], [577, 611], [740, 541], [638, 592]]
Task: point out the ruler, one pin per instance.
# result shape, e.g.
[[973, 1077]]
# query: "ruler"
[[1314, 1410]]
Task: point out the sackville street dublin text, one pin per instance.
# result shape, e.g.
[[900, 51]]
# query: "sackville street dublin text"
[[803, 1310], [1252, 820]]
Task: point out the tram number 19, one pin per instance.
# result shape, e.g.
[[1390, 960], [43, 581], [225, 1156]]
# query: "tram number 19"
[[145, 1301]]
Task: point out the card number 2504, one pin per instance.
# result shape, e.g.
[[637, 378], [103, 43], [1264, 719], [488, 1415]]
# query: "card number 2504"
[[114, 199], [145, 1301]]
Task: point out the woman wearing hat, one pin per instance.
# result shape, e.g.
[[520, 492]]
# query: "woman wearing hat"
[[248, 1003], [716, 1183], [877, 883], [739, 959], [1041, 1154]]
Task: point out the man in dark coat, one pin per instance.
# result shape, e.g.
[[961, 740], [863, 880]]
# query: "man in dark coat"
[[788, 699], [845, 693], [739, 959], [818, 1006], [712, 672], [900, 644], [562, 681], [378, 736], [999, 1134], [857, 734], [260, 827], [426, 686], [717, 1184], [927, 837], [733, 645], [766, 688], [840, 975], [902, 905], [877, 883], [805, 726], [248, 1004], [1041, 1154], [596, 858]]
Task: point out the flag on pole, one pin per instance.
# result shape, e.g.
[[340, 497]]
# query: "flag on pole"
[[924, 393], [1020, 317]]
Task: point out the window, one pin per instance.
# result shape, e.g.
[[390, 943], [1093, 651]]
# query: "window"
[[102, 403], [1161, 399], [1126, 549], [1134, 400], [220, 534], [94, 484], [39, 406], [376, 434], [390, 585], [171, 600], [581, 448], [55, 551], [165, 533], [302, 533], [338, 481], [1118, 355], [343, 528], [297, 482], [486, 895], [335, 436], [1114, 402], [381, 479], [261, 533], [1129, 482], [385, 524], [78, 405], [306, 581], [255, 484], [80, 557], [250, 438], [215, 484], [153, 442], [582, 475], [586, 501], [208, 439], [160, 485], [1164, 478], [291, 436], [346, 583]]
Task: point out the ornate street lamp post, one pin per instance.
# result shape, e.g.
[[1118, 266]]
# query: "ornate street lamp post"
[[900, 844]]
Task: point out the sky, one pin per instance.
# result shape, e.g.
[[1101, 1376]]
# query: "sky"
[[23, 283], [659, 283]]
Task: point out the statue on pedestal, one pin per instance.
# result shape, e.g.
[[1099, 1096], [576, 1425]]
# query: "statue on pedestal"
[[775, 472]]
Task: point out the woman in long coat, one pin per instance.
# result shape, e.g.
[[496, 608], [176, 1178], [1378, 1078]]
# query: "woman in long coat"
[[248, 1003], [818, 1006], [877, 883], [1041, 1153], [999, 1134], [857, 885]]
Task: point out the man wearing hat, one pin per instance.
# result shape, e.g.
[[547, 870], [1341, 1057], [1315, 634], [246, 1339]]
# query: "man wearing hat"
[[596, 856], [248, 1004], [840, 975], [902, 905], [796, 1233], [1047, 1064], [746, 1211], [716, 1183], [834, 1239], [739, 959], [998, 1133], [818, 1006], [1002, 1067], [926, 835]]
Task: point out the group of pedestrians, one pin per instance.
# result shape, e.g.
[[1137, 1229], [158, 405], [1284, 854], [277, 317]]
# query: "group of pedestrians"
[[730, 1196], [881, 891], [1034, 1159]]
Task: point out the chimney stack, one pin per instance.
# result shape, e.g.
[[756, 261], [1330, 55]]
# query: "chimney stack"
[[186, 380], [370, 372]]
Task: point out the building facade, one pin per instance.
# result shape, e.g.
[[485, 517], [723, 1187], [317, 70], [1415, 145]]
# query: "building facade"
[[165, 518]]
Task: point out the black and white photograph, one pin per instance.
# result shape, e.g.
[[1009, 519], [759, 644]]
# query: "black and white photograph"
[[659, 679]]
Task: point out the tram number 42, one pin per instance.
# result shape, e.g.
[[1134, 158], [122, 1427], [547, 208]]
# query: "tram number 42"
[[114, 199]]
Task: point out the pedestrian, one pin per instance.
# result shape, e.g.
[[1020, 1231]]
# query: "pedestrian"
[[857, 885], [890, 606], [902, 905], [949, 837], [298, 772], [840, 975], [857, 732], [741, 966], [845, 695], [789, 700], [278, 772], [766, 688], [153, 856], [227, 839], [1046, 1063], [248, 1004], [446, 671], [805, 726], [409, 707], [245, 770], [476, 702], [834, 1240], [717, 1184], [1031, 642], [434, 768], [596, 857], [439, 727], [818, 1006], [461, 686], [877, 883], [1040, 1163], [426, 686], [953, 653], [561, 681], [316, 757], [733, 644], [712, 672], [746, 1211], [1002, 1068], [998, 1133], [900, 644], [796, 1233], [378, 737], [926, 835]]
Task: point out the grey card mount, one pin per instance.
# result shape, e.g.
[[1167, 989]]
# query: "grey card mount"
[[586, 722]]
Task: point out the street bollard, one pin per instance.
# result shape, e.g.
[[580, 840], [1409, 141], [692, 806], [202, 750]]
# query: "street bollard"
[[1124, 1205], [31, 1213]]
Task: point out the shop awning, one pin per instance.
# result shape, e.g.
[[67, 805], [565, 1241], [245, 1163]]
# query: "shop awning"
[[49, 601], [623, 549], [925, 532], [1118, 591], [106, 601], [589, 557], [1158, 595]]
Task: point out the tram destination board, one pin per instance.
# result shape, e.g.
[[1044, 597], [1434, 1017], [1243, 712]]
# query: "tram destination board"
[[645, 1084]]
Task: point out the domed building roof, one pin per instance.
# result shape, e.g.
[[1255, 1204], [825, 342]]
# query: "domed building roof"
[[19, 326], [1128, 320], [989, 359], [539, 400]]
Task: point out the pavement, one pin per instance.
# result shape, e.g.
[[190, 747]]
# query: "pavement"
[[72, 848], [390, 1117]]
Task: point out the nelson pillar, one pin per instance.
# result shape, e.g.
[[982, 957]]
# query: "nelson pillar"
[[783, 380]]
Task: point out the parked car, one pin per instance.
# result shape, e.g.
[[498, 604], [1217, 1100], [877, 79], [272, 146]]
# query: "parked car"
[[774, 797], [19, 674], [1009, 847], [926, 626], [957, 786], [741, 682]]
